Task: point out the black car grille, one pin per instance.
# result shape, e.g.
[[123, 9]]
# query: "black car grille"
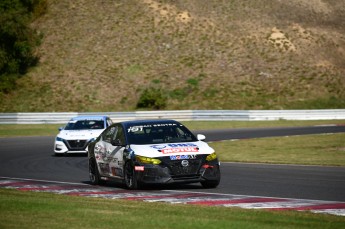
[[76, 144], [178, 170]]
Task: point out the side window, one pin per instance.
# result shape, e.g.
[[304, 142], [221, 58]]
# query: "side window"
[[120, 136], [183, 134], [108, 135]]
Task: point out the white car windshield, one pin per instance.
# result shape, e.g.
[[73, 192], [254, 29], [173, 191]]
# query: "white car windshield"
[[84, 125]]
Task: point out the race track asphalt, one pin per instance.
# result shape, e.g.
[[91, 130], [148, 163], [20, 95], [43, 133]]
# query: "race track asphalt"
[[33, 158]]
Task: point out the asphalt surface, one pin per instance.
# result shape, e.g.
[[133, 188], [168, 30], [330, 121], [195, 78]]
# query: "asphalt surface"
[[33, 158]]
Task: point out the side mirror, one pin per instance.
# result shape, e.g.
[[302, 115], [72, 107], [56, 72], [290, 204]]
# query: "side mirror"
[[60, 128], [128, 153], [201, 137], [92, 140]]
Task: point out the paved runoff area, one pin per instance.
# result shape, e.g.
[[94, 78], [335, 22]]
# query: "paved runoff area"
[[176, 197]]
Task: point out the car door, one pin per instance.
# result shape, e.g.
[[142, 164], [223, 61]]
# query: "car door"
[[115, 152], [102, 151]]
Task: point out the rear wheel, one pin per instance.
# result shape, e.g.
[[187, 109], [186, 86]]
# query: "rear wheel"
[[131, 181], [95, 178]]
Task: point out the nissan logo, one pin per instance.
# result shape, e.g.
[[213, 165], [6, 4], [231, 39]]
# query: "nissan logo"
[[184, 163]]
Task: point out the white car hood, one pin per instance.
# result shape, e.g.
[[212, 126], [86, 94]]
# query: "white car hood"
[[79, 134], [183, 148]]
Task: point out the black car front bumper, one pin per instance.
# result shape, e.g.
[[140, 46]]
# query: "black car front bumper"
[[177, 173]]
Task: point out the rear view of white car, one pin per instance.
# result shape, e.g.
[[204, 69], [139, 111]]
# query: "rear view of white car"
[[78, 133]]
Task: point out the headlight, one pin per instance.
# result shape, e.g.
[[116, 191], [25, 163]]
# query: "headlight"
[[148, 160], [211, 157], [59, 139]]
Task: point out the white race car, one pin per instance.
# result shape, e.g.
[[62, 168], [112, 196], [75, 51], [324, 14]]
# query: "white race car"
[[78, 133], [152, 152]]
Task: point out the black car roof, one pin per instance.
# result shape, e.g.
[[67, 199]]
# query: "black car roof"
[[148, 122]]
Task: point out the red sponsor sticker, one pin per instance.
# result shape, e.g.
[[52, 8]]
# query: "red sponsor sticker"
[[139, 168], [113, 171], [180, 150]]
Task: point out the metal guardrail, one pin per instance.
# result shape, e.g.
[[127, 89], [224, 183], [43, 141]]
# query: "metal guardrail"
[[180, 115]]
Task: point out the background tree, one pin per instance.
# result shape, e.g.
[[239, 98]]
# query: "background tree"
[[17, 39]]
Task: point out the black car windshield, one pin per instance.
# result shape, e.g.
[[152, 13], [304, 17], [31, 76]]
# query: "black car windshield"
[[159, 133], [84, 124]]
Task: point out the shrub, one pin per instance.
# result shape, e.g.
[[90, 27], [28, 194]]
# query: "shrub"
[[193, 82], [152, 98]]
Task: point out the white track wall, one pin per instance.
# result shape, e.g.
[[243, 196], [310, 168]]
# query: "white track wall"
[[180, 115]]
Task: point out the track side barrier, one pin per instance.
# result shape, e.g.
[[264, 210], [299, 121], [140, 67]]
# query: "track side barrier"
[[180, 115]]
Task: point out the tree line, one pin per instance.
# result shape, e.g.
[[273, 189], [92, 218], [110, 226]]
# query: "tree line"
[[18, 41]]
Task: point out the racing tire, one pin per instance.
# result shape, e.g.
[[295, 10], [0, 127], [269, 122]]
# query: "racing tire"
[[210, 184], [130, 178], [94, 176]]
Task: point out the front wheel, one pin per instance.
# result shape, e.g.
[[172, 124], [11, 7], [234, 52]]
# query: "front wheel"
[[95, 178], [131, 181], [210, 184]]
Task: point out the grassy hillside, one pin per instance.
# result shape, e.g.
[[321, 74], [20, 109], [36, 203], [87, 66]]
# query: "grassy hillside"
[[201, 54]]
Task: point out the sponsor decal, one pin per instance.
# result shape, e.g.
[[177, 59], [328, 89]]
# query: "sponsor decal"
[[176, 148], [104, 168], [139, 168], [113, 171], [99, 149], [182, 157], [141, 127], [180, 150], [158, 147], [175, 145]]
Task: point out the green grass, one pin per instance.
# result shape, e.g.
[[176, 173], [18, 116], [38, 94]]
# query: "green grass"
[[206, 125], [16, 130], [20, 209], [322, 149]]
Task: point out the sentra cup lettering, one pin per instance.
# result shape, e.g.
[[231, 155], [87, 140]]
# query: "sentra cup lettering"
[[164, 124]]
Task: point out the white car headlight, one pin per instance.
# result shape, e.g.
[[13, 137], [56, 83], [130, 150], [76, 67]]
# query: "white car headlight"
[[59, 139]]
